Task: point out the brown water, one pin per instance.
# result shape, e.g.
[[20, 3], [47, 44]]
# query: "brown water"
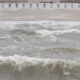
[[39, 50]]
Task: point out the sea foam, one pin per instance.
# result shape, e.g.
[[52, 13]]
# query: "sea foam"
[[23, 67]]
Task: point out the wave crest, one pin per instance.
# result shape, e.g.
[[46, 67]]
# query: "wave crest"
[[22, 68], [57, 32], [27, 61]]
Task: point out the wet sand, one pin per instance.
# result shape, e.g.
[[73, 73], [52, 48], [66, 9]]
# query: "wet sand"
[[39, 14]]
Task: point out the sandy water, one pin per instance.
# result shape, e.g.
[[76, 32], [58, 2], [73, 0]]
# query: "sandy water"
[[39, 50]]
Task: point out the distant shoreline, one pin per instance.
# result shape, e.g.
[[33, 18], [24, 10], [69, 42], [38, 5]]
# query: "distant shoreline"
[[39, 14]]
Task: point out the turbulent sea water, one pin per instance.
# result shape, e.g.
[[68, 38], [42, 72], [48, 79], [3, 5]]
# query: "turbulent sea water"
[[39, 50]]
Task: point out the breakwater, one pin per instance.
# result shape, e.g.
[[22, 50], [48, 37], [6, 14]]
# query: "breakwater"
[[39, 5]]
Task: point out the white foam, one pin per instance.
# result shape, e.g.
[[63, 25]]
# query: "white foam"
[[24, 61], [27, 68], [44, 22], [56, 32], [67, 25]]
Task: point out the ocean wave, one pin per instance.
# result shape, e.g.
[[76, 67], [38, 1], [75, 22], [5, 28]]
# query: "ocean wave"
[[45, 32], [24, 62], [42, 23], [38, 69], [35, 68]]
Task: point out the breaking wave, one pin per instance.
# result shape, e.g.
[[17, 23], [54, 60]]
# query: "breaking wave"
[[27, 68], [54, 56], [57, 32]]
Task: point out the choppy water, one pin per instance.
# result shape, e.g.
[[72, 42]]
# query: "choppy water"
[[39, 50]]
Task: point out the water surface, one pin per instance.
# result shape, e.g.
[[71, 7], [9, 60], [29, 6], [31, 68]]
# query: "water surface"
[[39, 50]]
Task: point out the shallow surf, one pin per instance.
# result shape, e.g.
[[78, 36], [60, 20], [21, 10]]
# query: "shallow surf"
[[39, 50]]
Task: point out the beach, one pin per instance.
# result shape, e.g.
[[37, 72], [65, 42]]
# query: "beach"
[[39, 14]]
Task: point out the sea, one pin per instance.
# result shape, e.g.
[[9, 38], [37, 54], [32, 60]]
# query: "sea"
[[40, 50]]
